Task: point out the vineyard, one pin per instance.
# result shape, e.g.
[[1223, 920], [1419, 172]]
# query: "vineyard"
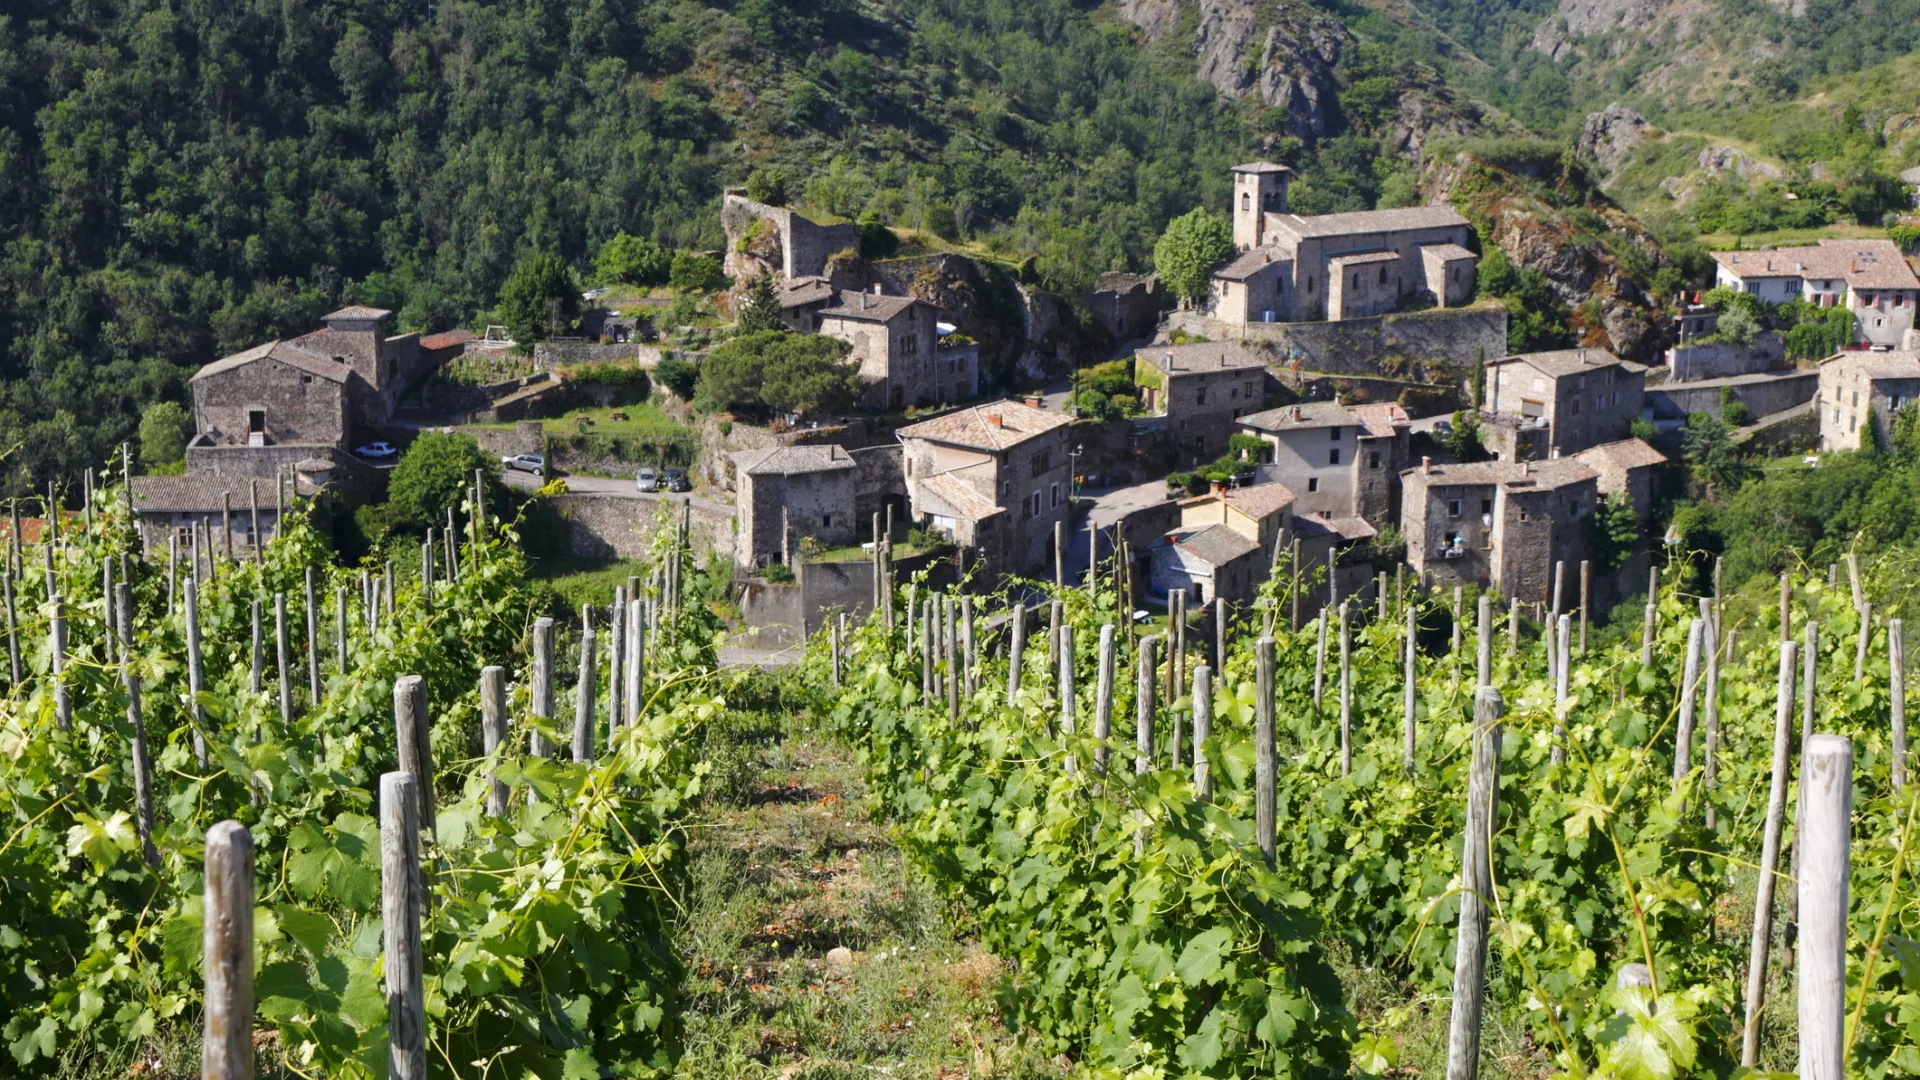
[[398, 821]]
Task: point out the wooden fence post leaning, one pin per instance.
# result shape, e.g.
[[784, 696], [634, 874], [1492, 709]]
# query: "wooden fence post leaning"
[[1561, 695], [493, 731], [1346, 693], [1476, 887], [584, 692], [1409, 649], [1824, 831], [1264, 804], [280, 656], [1016, 652], [413, 730], [401, 905], [541, 696], [1897, 693], [1756, 998], [226, 941], [1689, 677], [196, 673], [1103, 701], [1143, 732], [1320, 664], [1865, 611], [1066, 691], [1202, 730]]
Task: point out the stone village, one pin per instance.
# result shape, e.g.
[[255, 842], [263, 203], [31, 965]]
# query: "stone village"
[[1326, 362]]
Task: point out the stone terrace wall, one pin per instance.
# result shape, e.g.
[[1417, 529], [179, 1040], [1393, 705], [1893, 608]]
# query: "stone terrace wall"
[[1377, 345], [619, 527]]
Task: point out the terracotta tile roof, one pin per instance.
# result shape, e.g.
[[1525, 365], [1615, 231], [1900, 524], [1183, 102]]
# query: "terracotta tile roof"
[[956, 496], [1371, 221], [285, 352], [792, 460], [1261, 167], [1862, 264], [869, 307], [1249, 263], [1563, 362], [357, 312], [1378, 419], [1626, 454], [1259, 500], [1216, 545], [805, 290], [1202, 357], [1306, 414], [446, 339], [31, 528], [973, 426], [1512, 476], [1447, 252]]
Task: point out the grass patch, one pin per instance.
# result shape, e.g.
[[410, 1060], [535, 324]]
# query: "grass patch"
[[634, 421]]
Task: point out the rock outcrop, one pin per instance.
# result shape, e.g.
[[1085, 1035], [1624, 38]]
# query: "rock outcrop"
[[1280, 54], [1610, 135], [1582, 270], [1715, 160]]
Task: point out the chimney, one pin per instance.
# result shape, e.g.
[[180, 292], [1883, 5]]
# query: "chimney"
[[863, 301], [1296, 413], [1526, 468], [1426, 466], [993, 420], [876, 288], [1217, 488]]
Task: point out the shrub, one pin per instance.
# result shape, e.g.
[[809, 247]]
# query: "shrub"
[[631, 260], [677, 375], [768, 185], [165, 427], [694, 273]]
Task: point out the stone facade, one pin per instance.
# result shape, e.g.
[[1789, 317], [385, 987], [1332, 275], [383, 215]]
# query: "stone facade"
[[1862, 390], [1332, 267], [1400, 344], [1763, 394], [1626, 467], [786, 242], [895, 340], [1379, 456], [993, 478], [1126, 306], [1870, 278], [1497, 524], [276, 393], [789, 493], [1202, 389], [1586, 396], [623, 526], [1313, 447]]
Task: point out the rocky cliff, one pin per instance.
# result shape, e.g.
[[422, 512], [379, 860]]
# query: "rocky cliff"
[[1280, 52], [1552, 219]]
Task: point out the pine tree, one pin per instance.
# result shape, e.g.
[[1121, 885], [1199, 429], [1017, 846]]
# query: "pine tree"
[[760, 310]]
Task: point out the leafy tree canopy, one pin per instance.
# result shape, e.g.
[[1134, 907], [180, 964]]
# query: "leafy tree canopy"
[[1186, 254], [165, 427], [541, 297], [774, 371], [631, 260], [436, 473]]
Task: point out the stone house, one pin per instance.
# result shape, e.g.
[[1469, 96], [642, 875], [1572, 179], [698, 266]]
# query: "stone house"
[[1201, 389], [1498, 524], [1862, 390], [1223, 545], [1626, 467], [896, 343], [790, 492], [1312, 449], [1379, 455], [176, 505], [1336, 266], [801, 301], [1870, 278], [991, 477], [1585, 397]]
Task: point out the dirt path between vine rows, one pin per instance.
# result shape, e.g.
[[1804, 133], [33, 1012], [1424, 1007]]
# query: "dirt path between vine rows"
[[812, 951]]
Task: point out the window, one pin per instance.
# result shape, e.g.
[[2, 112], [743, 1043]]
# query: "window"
[[910, 344], [1309, 283], [1453, 508], [1042, 461], [1383, 275], [1200, 396], [1333, 456], [1053, 495], [1523, 513], [826, 521], [1334, 433], [1006, 489], [1856, 399], [1246, 201], [1853, 423], [1233, 393], [1247, 388], [1356, 279], [305, 379], [1486, 506], [1200, 443], [1539, 386], [1573, 407], [1373, 460], [1313, 484]]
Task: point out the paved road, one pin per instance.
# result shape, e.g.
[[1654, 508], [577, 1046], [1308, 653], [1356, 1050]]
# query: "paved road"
[[1109, 506]]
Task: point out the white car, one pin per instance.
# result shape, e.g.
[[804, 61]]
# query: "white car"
[[377, 450], [533, 463]]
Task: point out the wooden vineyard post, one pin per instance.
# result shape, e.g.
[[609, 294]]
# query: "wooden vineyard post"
[[479, 506], [1294, 625], [1756, 999], [1853, 579], [971, 658], [635, 671], [542, 689], [1824, 832], [62, 697], [196, 673], [226, 942], [280, 656], [1380, 596], [950, 641], [1408, 732], [386, 599], [1459, 596], [1710, 753], [112, 639], [1810, 670], [1102, 701], [1560, 689], [493, 730], [1093, 558], [313, 643], [1066, 691], [1650, 619], [1586, 582], [1055, 617], [1513, 628], [173, 570], [401, 902], [1265, 807], [1897, 694], [584, 692], [13, 633], [1219, 634], [1346, 693], [1143, 732], [1202, 730], [1476, 888], [1786, 609], [1483, 658], [1177, 676], [616, 658], [412, 731], [1059, 555], [142, 772], [1016, 651], [253, 505], [1320, 665], [1553, 617], [833, 652], [253, 684], [340, 628], [1683, 731], [926, 650], [1865, 611], [452, 537], [426, 570]]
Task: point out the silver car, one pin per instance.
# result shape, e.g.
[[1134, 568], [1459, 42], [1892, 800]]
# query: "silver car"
[[646, 479], [533, 463]]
